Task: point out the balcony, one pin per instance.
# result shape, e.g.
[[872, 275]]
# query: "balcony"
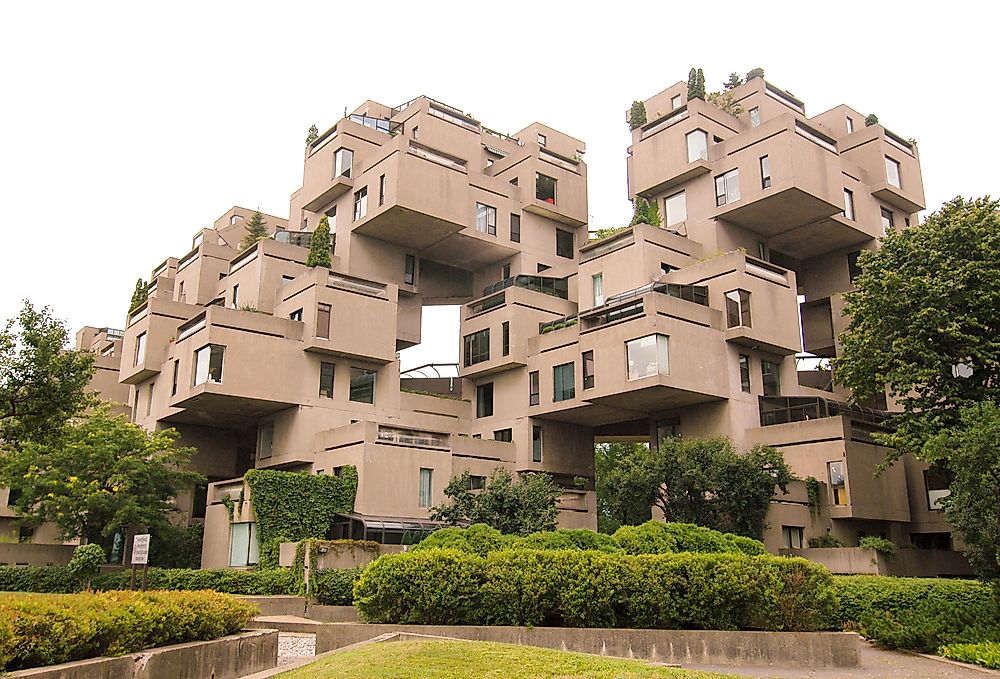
[[156, 323], [359, 321], [323, 196]]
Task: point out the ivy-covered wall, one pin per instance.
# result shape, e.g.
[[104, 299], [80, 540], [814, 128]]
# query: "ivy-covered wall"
[[292, 506]]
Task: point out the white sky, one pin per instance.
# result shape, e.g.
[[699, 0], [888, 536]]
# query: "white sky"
[[125, 127]]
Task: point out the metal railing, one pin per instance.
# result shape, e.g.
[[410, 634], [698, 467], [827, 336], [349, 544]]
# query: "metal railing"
[[556, 287], [786, 409]]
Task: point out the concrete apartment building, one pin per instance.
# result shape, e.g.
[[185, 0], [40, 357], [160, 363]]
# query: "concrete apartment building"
[[687, 329]]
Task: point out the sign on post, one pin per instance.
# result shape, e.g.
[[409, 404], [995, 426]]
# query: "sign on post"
[[140, 550]]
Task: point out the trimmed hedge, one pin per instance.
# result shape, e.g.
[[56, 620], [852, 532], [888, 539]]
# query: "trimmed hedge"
[[652, 537], [578, 588], [229, 581], [335, 587], [920, 614], [47, 629], [44, 579]]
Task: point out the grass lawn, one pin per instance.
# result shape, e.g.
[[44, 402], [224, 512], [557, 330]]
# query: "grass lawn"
[[479, 660]]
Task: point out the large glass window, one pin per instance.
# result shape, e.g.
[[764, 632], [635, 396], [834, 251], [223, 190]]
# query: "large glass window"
[[738, 309], [208, 363], [770, 380], [476, 347], [697, 143], [727, 187], [426, 486], [765, 172], [486, 219], [564, 243], [536, 443], [484, 400], [588, 369], [563, 382], [791, 536], [515, 228], [361, 203], [545, 188], [838, 487], [244, 549], [342, 161], [362, 385], [598, 287], [849, 204], [140, 348], [892, 172], [647, 356], [888, 223], [533, 388], [745, 373], [326, 379], [675, 208], [323, 321]]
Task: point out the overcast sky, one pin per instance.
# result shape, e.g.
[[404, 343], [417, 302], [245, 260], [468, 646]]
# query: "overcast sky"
[[126, 127]]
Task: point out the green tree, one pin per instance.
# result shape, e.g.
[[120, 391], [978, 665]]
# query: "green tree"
[[313, 134], [139, 295], [637, 116], [256, 231], [692, 84], [871, 119], [925, 320], [319, 245], [755, 73], [640, 213], [700, 85], [653, 214], [517, 507], [734, 81], [101, 475], [627, 484], [41, 384]]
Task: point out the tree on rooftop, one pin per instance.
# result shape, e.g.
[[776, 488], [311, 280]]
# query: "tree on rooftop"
[[640, 214], [319, 245], [755, 73], [637, 116], [256, 231], [871, 119], [700, 85], [313, 134], [692, 83], [139, 295], [517, 507], [734, 81]]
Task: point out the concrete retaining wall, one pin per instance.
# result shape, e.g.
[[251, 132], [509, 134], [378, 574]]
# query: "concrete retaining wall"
[[338, 555], [29, 554], [332, 613], [917, 563], [793, 649], [278, 605], [226, 658]]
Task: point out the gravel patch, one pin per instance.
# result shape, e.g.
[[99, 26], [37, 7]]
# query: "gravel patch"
[[293, 646]]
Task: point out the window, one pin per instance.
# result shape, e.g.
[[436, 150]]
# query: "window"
[[484, 400], [243, 547], [361, 203], [541, 139], [667, 268], [838, 487], [849, 204], [506, 435], [323, 321], [505, 333], [598, 286], [850, 124], [564, 243], [180, 292], [326, 379], [331, 218], [135, 405], [545, 188], [342, 161], [563, 382], [792, 537], [853, 270], [533, 388], [426, 486], [762, 251], [149, 399], [505, 271], [477, 482], [888, 223], [647, 356], [697, 143], [476, 347], [296, 315], [381, 190], [236, 296], [235, 218], [938, 485], [410, 270], [675, 208], [486, 219], [770, 379], [173, 380], [765, 172], [745, 373], [415, 133], [588, 369], [738, 309], [25, 534], [140, 349], [675, 102], [13, 495], [265, 440], [208, 364], [727, 187], [515, 228], [892, 172], [536, 443], [362, 385], [754, 117]]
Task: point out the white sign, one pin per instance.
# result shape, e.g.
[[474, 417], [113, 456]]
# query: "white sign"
[[140, 550]]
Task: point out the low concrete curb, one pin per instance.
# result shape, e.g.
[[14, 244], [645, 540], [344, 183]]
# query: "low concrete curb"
[[278, 604], [685, 647], [226, 658]]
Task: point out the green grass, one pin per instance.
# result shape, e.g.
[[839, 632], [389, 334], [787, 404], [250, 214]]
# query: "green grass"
[[479, 660]]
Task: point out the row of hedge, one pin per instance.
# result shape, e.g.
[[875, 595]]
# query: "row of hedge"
[[576, 588], [43, 629], [652, 537]]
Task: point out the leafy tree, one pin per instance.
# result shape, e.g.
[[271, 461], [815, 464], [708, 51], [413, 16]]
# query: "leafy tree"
[[653, 214], [969, 450], [319, 245], [520, 507], [692, 83], [41, 384], [256, 231], [726, 102], [734, 81], [101, 475], [871, 119], [755, 73], [627, 484], [313, 134], [637, 116], [700, 85], [641, 211], [926, 310], [139, 295]]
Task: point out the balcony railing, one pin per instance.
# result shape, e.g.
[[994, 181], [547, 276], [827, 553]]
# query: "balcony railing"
[[379, 124], [557, 324], [410, 437], [557, 287], [113, 333], [691, 293], [783, 410]]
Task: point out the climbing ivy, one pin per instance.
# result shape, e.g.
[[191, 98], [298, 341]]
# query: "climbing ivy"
[[812, 492], [292, 506]]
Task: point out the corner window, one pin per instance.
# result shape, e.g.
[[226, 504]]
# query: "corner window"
[[598, 287], [505, 335], [426, 487], [342, 161], [361, 203], [791, 537], [888, 223], [675, 102], [770, 379], [838, 487], [675, 208], [208, 364], [140, 349], [476, 347], [892, 172], [545, 188], [754, 117], [564, 243], [486, 219], [849, 204], [765, 172], [697, 145], [244, 549], [322, 321], [533, 388], [563, 382], [738, 309], [536, 443], [265, 441], [938, 485], [745, 373], [326, 379], [235, 218], [362, 385], [647, 356], [588, 369], [410, 270], [515, 228], [727, 188], [295, 315], [484, 400]]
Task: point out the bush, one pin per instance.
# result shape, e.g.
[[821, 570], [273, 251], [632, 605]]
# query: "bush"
[[918, 613], [825, 541], [45, 629], [881, 545], [86, 563], [655, 537], [43, 579], [260, 582], [568, 538], [476, 539], [986, 653], [334, 587], [579, 588]]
